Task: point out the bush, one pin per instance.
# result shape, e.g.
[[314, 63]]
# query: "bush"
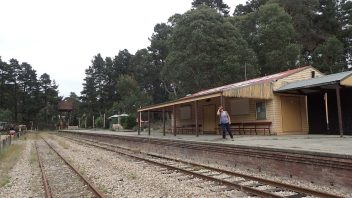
[[99, 122], [5, 115], [128, 122]]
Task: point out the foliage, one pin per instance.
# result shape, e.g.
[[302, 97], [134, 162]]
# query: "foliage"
[[270, 33], [128, 122], [132, 97], [5, 115], [208, 49], [99, 122], [27, 98], [329, 56], [219, 5]]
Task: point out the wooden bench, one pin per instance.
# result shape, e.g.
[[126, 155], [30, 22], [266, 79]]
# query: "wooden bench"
[[188, 129], [244, 128]]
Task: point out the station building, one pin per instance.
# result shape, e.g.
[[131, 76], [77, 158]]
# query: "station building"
[[297, 101]]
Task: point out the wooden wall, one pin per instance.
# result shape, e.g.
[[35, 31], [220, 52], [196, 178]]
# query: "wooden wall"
[[305, 74]]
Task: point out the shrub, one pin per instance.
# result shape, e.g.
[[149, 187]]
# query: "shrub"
[[128, 122], [99, 122]]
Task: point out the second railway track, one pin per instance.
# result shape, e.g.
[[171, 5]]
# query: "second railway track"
[[229, 180], [60, 178]]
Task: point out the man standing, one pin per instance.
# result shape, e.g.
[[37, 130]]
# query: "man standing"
[[225, 122]]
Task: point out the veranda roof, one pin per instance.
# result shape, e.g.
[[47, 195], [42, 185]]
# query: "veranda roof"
[[254, 88], [304, 86]]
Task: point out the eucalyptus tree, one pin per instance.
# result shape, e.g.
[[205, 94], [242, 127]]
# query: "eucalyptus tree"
[[249, 7], [219, 5], [329, 57], [270, 32], [133, 96], [345, 33], [159, 49], [206, 50]]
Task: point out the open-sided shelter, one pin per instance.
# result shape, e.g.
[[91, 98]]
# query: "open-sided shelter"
[[257, 106]]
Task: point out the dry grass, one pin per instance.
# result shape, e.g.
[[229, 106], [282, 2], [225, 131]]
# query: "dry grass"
[[64, 144], [8, 159], [33, 158], [132, 176]]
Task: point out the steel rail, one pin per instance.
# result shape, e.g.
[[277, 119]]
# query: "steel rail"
[[285, 186], [317, 159], [90, 185], [44, 177], [205, 177]]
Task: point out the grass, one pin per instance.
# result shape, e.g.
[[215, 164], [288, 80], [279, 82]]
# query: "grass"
[[63, 144], [8, 159], [132, 176], [33, 158]]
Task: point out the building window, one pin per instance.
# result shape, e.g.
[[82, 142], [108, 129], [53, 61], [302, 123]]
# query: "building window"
[[260, 110]]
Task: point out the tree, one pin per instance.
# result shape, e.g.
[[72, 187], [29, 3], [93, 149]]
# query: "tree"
[[132, 96], [49, 100], [159, 50], [121, 63], [270, 32], [219, 5], [345, 33], [329, 57], [206, 50], [251, 6], [27, 79]]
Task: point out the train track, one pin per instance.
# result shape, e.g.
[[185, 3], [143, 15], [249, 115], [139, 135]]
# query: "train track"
[[230, 180], [60, 178]]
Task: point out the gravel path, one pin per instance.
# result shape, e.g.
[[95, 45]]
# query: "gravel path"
[[63, 181], [119, 176], [19, 185]]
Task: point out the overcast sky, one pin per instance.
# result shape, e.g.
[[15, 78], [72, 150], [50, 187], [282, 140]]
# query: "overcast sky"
[[60, 37]]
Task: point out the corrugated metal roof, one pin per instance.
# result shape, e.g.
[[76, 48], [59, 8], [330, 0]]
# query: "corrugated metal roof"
[[318, 81], [260, 80], [215, 92]]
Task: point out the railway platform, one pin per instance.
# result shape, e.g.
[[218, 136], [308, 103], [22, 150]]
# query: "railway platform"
[[326, 144]]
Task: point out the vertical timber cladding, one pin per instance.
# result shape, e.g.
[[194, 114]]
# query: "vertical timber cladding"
[[209, 118], [291, 114]]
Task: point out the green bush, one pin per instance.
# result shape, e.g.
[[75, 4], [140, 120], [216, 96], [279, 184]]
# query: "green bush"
[[5, 115], [128, 122], [99, 122]]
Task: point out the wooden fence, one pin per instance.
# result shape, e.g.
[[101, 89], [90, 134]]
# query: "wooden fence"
[[6, 140]]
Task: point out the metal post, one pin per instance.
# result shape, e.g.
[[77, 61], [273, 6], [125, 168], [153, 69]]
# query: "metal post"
[[164, 121], [222, 100], [104, 121], [326, 111], [174, 112], [148, 122], [139, 122], [339, 111], [196, 117]]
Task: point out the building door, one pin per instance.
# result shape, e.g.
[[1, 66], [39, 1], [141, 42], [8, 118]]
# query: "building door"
[[209, 119], [291, 114]]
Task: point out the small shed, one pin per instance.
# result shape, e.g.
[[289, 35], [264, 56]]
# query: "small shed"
[[115, 121]]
